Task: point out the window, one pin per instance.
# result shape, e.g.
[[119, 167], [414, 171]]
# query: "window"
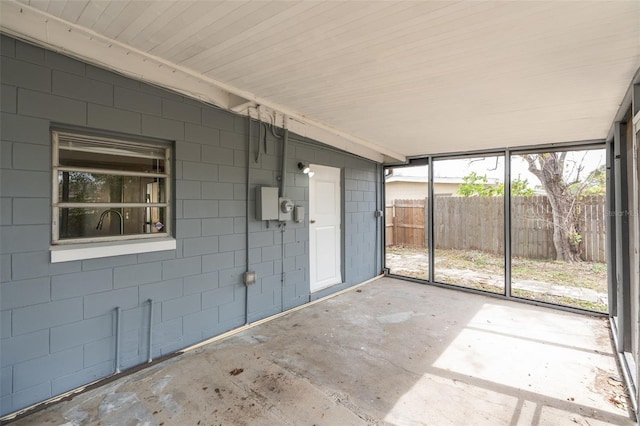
[[109, 190]]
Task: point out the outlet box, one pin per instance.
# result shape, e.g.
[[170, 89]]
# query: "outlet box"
[[249, 277]]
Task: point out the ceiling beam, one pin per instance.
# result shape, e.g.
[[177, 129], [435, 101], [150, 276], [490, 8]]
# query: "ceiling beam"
[[38, 27]]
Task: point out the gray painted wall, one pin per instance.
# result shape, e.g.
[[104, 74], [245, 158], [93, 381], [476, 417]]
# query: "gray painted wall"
[[57, 320]]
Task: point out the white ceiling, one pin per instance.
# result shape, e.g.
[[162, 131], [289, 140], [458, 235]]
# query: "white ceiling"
[[382, 79]]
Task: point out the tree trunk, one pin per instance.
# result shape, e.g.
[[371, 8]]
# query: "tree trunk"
[[549, 168], [565, 231]]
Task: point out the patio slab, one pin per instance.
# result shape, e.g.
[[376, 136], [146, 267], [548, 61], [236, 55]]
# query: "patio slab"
[[388, 352]]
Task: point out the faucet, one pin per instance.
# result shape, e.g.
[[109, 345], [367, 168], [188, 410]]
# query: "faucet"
[[104, 213]]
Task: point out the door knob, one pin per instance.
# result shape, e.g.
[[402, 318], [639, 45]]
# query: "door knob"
[[312, 221]]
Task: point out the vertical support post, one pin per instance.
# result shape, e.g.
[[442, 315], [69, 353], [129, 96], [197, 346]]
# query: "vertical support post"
[[380, 221], [150, 341], [635, 320], [622, 237], [507, 223], [635, 99], [430, 207], [610, 206], [394, 222], [636, 210], [118, 314]]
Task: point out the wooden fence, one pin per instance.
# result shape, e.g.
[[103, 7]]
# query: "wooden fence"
[[476, 223]]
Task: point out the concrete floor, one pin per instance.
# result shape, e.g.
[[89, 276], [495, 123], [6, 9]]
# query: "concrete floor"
[[389, 352]]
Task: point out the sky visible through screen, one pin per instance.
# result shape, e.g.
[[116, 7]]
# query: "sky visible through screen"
[[493, 167]]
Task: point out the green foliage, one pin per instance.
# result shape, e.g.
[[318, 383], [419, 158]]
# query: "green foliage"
[[520, 187], [595, 183], [574, 238], [476, 185]]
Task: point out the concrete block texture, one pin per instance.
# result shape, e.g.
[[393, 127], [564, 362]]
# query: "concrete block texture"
[[7, 46], [5, 325], [199, 171], [81, 332], [52, 107], [64, 63], [108, 118], [25, 347], [16, 294], [137, 101], [217, 118], [30, 53], [163, 290], [31, 157], [200, 246], [42, 369], [46, 315], [8, 98], [5, 268], [6, 381], [175, 308], [81, 283], [23, 74], [31, 211], [181, 111], [23, 238], [20, 128], [81, 88], [17, 183], [105, 303], [6, 154], [136, 275], [202, 134], [162, 128], [58, 319], [200, 208]]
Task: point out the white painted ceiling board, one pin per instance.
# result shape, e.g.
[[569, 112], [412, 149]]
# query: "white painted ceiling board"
[[92, 11], [271, 44], [199, 46], [415, 77], [153, 12], [73, 9]]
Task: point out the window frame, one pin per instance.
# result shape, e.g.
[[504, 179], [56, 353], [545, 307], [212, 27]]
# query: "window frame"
[[59, 133]]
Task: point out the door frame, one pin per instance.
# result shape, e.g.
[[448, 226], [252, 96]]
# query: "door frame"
[[341, 215]]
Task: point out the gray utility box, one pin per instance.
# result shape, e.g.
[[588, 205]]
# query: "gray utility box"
[[267, 203]]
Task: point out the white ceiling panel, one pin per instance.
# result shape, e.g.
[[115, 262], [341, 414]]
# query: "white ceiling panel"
[[398, 78]]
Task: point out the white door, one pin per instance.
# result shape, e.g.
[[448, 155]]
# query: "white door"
[[325, 239]]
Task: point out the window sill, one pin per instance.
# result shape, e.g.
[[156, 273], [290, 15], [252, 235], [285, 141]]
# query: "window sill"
[[108, 249]]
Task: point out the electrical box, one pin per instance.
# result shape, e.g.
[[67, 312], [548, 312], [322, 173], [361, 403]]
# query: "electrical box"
[[298, 214], [286, 208], [249, 277], [267, 205]]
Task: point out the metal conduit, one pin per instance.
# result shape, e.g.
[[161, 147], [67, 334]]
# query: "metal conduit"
[[150, 359], [248, 175], [118, 315], [283, 160]]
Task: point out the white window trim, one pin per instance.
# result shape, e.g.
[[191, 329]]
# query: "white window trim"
[[67, 253], [94, 248]]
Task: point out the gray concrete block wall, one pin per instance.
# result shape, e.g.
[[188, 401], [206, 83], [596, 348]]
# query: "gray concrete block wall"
[[58, 320]]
